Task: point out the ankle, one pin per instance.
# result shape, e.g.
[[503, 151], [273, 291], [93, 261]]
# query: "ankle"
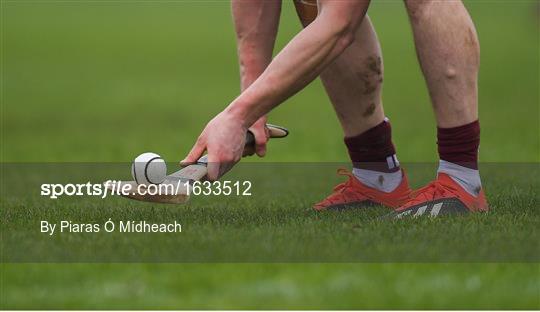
[[382, 181], [467, 178]]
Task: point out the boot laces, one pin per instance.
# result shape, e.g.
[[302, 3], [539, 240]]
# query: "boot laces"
[[432, 191], [338, 192], [343, 186]]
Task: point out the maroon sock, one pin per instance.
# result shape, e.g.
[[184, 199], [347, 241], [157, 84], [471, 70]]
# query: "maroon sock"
[[459, 145], [373, 149]]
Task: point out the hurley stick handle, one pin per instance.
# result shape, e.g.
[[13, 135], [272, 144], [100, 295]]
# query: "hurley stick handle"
[[274, 131]]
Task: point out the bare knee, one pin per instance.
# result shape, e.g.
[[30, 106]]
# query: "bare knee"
[[417, 8]]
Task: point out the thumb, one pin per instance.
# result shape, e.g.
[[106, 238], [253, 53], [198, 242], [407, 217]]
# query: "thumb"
[[195, 153]]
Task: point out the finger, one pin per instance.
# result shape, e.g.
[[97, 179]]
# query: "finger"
[[260, 150], [217, 166], [261, 138], [225, 167], [212, 167], [195, 153]]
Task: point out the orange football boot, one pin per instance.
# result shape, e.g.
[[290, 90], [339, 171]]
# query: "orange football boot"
[[354, 192], [442, 196]]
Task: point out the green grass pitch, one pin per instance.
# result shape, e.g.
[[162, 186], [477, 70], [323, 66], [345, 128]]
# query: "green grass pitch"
[[101, 82]]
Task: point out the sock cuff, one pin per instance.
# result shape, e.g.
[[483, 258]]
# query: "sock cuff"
[[373, 149], [459, 145], [460, 131]]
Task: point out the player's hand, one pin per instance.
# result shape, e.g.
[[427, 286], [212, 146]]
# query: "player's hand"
[[223, 138], [261, 134]]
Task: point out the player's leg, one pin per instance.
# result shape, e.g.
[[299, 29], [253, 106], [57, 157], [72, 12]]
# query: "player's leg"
[[353, 83], [354, 80], [449, 53]]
